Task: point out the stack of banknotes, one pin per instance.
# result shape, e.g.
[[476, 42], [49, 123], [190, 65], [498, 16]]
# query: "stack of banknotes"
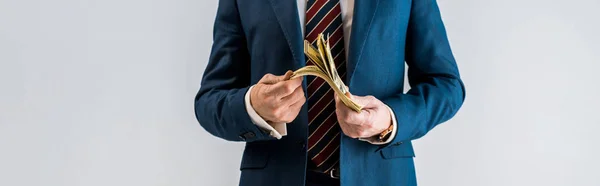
[[325, 68]]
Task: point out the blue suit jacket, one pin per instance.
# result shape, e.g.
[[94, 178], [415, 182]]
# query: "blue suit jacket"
[[256, 37]]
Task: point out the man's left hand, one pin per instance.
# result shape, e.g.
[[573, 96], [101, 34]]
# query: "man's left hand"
[[374, 118]]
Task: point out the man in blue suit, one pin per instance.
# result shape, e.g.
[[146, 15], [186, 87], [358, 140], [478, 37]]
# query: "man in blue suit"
[[296, 131]]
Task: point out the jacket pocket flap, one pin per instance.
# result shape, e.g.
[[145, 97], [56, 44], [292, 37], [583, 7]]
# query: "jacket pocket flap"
[[401, 150], [255, 157]]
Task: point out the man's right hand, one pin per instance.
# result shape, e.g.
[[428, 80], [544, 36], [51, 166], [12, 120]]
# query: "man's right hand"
[[278, 98]]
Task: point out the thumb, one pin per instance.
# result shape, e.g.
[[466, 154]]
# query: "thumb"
[[356, 99], [272, 79], [365, 101]]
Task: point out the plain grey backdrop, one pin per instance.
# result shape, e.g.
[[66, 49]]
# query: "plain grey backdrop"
[[100, 92]]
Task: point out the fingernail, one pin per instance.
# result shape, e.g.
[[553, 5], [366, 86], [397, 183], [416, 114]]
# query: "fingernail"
[[287, 75]]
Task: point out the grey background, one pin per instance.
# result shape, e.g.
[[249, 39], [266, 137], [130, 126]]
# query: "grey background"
[[99, 92]]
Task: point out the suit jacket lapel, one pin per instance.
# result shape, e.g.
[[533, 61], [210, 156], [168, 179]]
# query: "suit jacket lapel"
[[364, 12], [286, 12]]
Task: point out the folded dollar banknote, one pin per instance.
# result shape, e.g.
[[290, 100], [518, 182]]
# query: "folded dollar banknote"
[[325, 69]]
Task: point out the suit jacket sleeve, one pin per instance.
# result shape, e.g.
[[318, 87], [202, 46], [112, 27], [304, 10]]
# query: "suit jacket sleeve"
[[436, 91], [219, 104]]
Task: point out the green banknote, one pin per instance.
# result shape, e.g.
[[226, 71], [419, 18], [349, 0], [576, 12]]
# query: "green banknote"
[[325, 69]]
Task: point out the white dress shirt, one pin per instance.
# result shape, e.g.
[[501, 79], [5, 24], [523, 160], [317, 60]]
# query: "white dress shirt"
[[279, 130]]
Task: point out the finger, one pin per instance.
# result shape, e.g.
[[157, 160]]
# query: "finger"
[[296, 96], [351, 97], [366, 101], [350, 131], [339, 104], [343, 112], [290, 116], [350, 117], [346, 130], [293, 111], [287, 75], [268, 79], [295, 107], [272, 79], [295, 81], [285, 88]]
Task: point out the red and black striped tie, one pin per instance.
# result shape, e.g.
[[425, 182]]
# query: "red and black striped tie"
[[324, 16]]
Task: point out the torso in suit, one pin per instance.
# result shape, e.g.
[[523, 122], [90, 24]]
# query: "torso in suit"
[[256, 37]]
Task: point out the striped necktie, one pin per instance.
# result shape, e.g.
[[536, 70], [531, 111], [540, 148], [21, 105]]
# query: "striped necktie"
[[324, 16]]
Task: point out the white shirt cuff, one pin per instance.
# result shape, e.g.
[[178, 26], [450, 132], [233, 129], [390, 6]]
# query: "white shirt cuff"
[[375, 140], [276, 130]]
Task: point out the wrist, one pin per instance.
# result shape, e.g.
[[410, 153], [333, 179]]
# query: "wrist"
[[385, 133], [255, 100], [253, 96], [383, 136]]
